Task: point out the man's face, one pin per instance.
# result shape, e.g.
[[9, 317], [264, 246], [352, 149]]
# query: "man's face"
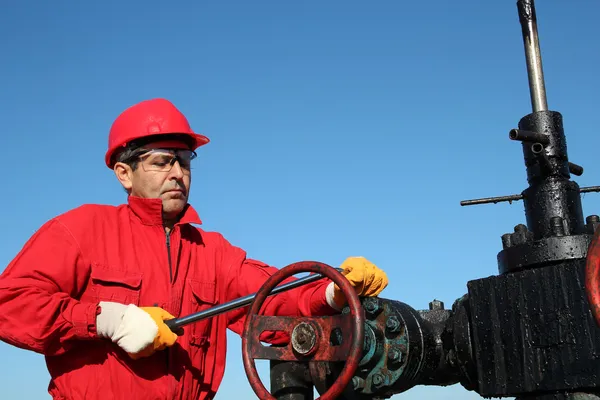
[[160, 173]]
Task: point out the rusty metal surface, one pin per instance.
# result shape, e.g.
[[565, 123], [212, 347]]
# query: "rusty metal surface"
[[304, 338], [385, 357], [592, 276], [403, 347], [310, 337], [321, 331]]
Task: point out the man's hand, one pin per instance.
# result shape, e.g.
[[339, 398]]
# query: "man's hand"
[[140, 331], [363, 275]]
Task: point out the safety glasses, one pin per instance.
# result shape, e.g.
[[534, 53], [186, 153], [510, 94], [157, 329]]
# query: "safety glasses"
[[162, 160]]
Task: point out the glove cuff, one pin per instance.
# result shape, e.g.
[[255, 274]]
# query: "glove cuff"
[[109, 318], [130, 327], [330, 297]]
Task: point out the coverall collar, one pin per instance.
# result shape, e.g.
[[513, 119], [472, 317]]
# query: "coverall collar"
[[149, 211]]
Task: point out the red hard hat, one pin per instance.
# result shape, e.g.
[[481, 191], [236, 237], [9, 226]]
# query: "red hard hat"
[[150, 117]]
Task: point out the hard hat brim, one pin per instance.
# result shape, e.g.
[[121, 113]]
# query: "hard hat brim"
[[198, 140]]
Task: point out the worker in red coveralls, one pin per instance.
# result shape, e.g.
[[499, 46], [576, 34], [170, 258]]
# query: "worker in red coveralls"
[[92, 288]]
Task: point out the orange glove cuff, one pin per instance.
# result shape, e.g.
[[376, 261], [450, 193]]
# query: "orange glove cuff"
[[164, 338], [366, 278]]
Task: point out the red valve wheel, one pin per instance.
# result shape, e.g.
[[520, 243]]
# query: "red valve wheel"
[[309, 336], [592, 276]]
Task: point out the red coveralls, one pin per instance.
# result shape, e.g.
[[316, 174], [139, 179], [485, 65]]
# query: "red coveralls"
[[49, 298]]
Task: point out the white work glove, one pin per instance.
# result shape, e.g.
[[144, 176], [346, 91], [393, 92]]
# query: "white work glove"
[[134, 329]]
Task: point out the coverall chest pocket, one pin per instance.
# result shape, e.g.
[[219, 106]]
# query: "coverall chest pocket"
[[107, 284], [201, 296]]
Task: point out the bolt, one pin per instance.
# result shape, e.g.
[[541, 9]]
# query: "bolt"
[[592, 222], [436, 305], [378, 380], [303, 339], [520, 228], [392, 324], [371, 305], [506, 240], [395, 355], [358, 383], [521, 235]]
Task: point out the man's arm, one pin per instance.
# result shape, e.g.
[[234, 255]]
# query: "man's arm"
[[38, 309], [243, 276]]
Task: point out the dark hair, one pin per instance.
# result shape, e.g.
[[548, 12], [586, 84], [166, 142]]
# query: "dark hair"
[[129, 155]]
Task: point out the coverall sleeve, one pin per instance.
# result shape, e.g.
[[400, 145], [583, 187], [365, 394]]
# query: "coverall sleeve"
[[246, 276], [38, 309]]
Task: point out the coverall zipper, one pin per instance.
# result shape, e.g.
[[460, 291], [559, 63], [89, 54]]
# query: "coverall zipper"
[[168, 352], [168, 234]]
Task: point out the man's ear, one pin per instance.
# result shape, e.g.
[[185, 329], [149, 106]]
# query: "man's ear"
[[124, 173]]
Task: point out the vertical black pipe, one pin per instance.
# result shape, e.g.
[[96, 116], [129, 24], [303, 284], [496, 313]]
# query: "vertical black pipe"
[[551, 194], [291, 381], [552, 201]]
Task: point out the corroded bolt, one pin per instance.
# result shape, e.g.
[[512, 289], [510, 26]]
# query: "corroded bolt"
[[392, 324], [371, 306], [358, 383], [395, 355], [378, 380], [301, 338]]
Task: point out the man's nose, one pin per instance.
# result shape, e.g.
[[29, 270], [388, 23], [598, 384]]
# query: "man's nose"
[[176, 170]]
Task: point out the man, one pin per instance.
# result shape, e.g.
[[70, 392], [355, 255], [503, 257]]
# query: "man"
[[92, 288]]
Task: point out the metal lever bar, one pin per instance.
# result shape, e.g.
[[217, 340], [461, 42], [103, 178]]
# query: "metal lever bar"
[[533, 56], [176, 323]]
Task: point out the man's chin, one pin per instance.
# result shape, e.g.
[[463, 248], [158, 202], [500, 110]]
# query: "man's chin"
[[174, 206]]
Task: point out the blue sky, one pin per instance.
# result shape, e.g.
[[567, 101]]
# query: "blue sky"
[[337, 128]]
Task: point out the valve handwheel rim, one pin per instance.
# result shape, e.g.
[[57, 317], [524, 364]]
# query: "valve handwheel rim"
[[592, 276], [356, 314]]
